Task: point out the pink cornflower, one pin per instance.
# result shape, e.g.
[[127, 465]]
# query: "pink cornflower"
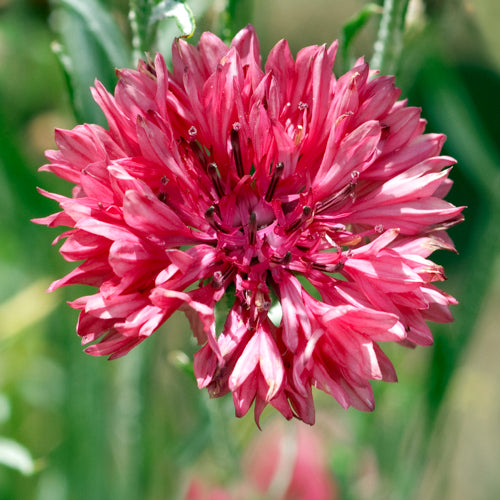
[[280, 464], [288, 463], [308, 204]]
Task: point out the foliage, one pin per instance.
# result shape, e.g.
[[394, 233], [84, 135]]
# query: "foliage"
[[137, 427]]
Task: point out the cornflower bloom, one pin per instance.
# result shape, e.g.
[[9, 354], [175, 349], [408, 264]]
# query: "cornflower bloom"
[[280, 464], [306, 204]]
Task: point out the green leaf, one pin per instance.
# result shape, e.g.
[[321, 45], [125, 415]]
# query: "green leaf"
[[101, 27], [222, 308], [178, 10], [181, 360], [77, 90], [15, 456], [91, 46], [82, 62], [352, 27], [276, 313]]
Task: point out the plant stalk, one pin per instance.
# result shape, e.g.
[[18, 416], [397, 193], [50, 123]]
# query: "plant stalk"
[[387, 48]]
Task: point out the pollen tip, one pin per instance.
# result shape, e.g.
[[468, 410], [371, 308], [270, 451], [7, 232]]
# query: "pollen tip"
[[235, 144], [213, 173], [252, 228], [278, 171]]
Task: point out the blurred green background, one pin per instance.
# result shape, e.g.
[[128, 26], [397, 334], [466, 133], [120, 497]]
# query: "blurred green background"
[[77, 427]]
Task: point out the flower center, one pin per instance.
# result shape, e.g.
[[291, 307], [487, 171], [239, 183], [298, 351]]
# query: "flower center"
[[264, 224]]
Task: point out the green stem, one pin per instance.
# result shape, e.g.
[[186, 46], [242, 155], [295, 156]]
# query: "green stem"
[[127, 410], [139, 15], [237, 14], [389, 44]]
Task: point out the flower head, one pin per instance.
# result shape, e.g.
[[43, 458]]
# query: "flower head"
[[285, 463], [309, 203], [281, 463]]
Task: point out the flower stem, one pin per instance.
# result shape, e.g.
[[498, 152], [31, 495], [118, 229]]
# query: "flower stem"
[[389, 44], [139, 14], [236, 15]]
